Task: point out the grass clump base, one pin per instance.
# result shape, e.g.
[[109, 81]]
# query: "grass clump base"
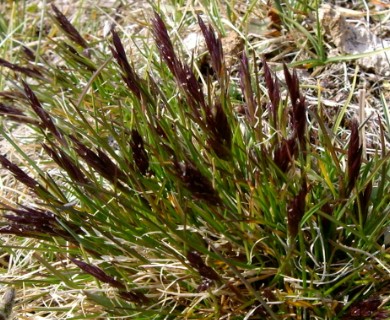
[[171, 193]]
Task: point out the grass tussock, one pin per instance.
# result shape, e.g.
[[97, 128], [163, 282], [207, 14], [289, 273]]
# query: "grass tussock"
[[163, 201]]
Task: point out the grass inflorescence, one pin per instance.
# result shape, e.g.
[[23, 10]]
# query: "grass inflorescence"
[[169, 203]]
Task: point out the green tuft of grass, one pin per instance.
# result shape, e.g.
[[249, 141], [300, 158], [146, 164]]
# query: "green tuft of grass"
[[161, 200]]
